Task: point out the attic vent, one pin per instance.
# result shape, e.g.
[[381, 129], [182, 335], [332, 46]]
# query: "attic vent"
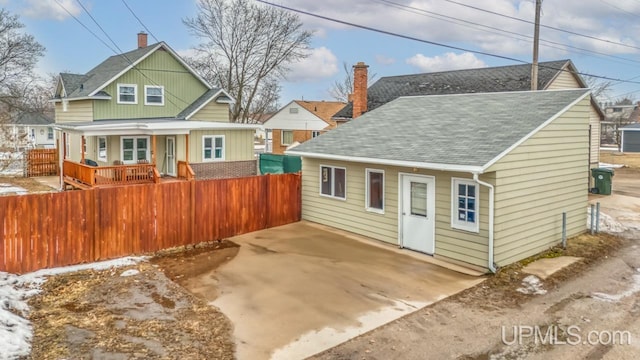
[[293, 110], [81, 86]]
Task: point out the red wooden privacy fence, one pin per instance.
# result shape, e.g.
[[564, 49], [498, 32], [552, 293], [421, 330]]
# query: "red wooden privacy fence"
[[58, 229]]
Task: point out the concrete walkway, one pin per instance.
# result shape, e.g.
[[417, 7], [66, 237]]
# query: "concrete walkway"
[[299, 289]]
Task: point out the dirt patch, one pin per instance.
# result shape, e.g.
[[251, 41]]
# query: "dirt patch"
[[500, 290], [30, 185], [145, 315]]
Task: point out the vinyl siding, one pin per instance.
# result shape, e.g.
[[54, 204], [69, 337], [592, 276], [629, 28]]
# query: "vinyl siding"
[[351, 215], [181, 89], [539, 180], [80, 110], [564, 80], [212, 112], [238, 144]]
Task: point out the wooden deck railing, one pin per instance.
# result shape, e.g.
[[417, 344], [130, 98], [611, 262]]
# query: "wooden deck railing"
[[109, 175], [185, 171]]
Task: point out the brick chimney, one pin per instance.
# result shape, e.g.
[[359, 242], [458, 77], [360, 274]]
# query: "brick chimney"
[[142, 39], [359, 89]]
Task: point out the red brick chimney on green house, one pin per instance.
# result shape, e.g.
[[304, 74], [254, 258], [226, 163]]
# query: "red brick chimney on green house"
[[359, 89], [142, 39]]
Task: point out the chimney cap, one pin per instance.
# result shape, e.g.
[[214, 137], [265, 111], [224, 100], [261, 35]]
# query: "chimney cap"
[[360, 64]]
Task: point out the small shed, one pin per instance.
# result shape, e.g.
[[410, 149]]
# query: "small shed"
[[630, 138]]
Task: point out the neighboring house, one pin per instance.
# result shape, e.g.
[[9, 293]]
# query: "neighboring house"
[[475, 179], [561, 74], [616, 116], [630, 138], [28, 130], [299, 121], [147, 106]]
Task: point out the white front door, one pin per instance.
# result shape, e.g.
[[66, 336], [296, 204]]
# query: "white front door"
[[171, 156], [417, 219]]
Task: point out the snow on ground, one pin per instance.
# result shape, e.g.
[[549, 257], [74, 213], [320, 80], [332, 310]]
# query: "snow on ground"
[[635, 287], [15, 290], [9, 189], [11, 164], [606, 223], [532, 285], [610, 166]]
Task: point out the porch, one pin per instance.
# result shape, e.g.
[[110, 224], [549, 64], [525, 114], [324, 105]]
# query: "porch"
[[82, 176]]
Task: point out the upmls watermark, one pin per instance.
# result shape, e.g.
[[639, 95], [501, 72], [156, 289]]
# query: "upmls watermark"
[[562, 335]]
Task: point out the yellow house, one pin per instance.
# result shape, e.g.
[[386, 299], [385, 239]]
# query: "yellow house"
[[481, 180]]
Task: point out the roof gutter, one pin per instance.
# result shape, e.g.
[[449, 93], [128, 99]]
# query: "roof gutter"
[[491, 265], [400, 163]]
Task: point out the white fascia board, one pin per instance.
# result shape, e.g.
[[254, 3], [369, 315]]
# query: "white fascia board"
[[82, 98], [629, 129], [529, 135], [399, 163]]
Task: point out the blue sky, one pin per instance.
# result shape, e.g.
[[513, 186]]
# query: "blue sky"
[[70, 47]]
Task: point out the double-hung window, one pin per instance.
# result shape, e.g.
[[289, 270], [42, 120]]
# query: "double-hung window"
[[102, 148], [464, 204], [127, 94], [154, 95], [134, 149], [213, 148], [374, 183], [49, 133], [333, 182], [286, 137]]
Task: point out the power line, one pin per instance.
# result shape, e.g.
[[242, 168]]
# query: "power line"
[[407, 37], [123, 54], [544, 26], [424, 12], [84, 26], [140, 21]]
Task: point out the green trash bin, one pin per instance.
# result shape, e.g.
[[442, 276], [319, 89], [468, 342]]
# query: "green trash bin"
[[602, 180]]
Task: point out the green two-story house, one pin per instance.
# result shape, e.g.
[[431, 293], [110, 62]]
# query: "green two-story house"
[[145, 115]]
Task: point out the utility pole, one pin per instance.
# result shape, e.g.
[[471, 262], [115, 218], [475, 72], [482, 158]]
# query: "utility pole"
[[536, 40]]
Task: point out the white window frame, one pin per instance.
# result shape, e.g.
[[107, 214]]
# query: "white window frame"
[[455, 222], [50, 133], [106, 147], [213, 148], [282, 137], [135, 148], [333, 182], [315, 134], [67, 145], [146, 95], [367, 195], [135, 94]]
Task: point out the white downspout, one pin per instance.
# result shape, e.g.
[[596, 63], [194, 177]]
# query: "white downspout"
[[490, 264]]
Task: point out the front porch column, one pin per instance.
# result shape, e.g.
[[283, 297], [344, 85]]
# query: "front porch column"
[[153, 149], [82, 145]]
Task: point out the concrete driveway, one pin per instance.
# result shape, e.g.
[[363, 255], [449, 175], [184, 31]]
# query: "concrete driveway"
[[298, 289]]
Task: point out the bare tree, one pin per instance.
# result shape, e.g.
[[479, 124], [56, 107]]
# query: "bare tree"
[[599, 87], [246, 48], [343, 88]]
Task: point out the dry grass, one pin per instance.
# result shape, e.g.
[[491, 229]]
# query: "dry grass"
[[613, 157], [29, 184], [500, 289]]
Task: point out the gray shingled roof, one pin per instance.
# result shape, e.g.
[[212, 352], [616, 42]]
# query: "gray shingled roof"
[[491, 79], [32, 118], [460, 130], [82, 85], [631, 127], [199, 102]]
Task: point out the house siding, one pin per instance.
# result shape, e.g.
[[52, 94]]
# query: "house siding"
[[181, 89], [238, 144], [537, 182], [564, 80], [79, 110], [212, 112], [298, 135], [351, 215]]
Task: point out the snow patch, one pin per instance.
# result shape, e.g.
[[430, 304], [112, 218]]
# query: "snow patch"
[[130, 272], [15, 290], [610, 166], [532, 285], [606, 223], [635, 287], [9, 189]]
